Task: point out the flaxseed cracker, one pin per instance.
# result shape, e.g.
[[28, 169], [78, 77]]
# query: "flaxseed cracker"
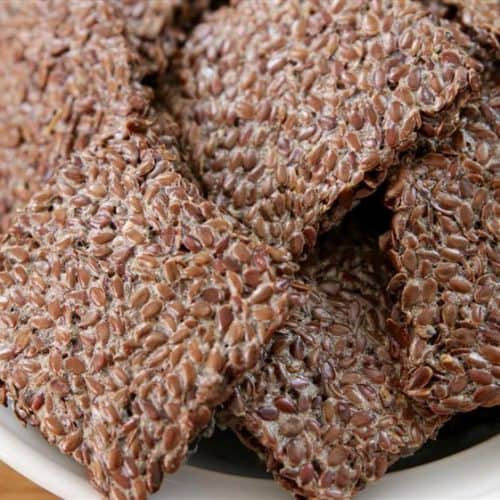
[[48, 105], [129, 305], [293, 111], [444, 244], [55, 85], [324, 412]]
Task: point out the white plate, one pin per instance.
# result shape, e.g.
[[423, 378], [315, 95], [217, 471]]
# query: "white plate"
[[473, 474]]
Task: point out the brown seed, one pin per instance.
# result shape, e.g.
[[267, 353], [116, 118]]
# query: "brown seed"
[[171, 437], [261, 294], [98, 296], [491, 353], [306, 474], [285, 405], [420, 378], [151, 309], [154, 476], [268, 412], [296, 452], [488, 395], [54, 426], [71, 442], [225, 317], [481, 377]]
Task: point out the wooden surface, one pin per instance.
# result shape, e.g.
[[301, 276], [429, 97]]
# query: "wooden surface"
[[16, 487]]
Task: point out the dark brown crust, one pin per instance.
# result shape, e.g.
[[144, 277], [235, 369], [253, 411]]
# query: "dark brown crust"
[[130, 306], [159, 25], [444, 245], [483, 17], [436, 7], [294, 111], [324, 411]]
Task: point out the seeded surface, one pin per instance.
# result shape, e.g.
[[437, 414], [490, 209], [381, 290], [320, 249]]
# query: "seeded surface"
[[483, 16], [48, 105], [51, 103], [158, 25], [294, 111], [149, 18], [129, 305], [325, 412], [444, 244]]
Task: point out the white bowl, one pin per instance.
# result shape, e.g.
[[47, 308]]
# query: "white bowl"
[[472, 474]]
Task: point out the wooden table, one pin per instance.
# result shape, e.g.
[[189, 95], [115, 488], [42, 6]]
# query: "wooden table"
[[16, 487]]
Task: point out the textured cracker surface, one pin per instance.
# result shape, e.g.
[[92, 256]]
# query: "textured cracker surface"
[[54, 87], [325, 412], [444, 244], [483, 16], [294, 111], [130, 305]]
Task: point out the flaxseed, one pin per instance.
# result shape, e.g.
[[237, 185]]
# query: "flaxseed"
[[51, 102]]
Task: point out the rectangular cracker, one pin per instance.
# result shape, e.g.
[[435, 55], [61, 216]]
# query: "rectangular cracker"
[[325, 412], [444, 245]]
